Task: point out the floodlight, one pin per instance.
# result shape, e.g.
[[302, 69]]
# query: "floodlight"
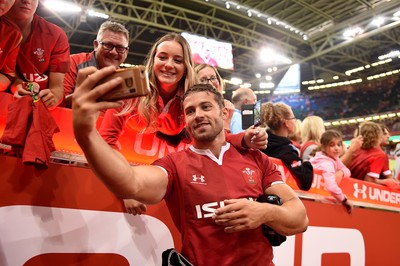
[[62, 6]]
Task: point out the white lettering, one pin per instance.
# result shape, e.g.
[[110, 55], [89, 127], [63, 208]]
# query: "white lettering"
[[198, 212], [384, 195], [318, 181], [247, 112], [84, 231], [208, 209], [41, 78], [158, 148], [324, 240], [36, 77], [42, 230], [284, 254], [146, 152]]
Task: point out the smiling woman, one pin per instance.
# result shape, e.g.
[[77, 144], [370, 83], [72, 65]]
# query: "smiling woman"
[[170, 69]]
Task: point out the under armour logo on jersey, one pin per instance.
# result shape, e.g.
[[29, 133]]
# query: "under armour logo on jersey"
[[358, 191], [248, 175], [199, 179]]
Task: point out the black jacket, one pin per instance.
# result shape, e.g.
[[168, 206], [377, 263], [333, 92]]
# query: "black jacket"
[[282, 148]]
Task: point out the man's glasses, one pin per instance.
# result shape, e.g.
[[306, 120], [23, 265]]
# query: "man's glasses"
[[206, 80], [109, 46]]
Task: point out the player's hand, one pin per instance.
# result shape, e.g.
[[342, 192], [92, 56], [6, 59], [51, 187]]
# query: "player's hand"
[[256, 138], [134, 207], [85, 107], [240, 214]]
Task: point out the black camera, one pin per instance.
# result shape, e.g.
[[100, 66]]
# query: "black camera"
[[274, 238]]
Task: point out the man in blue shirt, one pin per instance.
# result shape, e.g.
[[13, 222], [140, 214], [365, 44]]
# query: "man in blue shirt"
[[241, 97]]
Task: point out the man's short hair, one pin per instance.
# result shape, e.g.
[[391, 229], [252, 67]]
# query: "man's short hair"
[[113, 27], [240, 95], [206, 88]]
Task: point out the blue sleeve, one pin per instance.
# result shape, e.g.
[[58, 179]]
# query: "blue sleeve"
[[236, 122]]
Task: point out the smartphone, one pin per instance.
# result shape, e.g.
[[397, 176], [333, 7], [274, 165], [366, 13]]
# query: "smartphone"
[[135, 84], [251, 115]]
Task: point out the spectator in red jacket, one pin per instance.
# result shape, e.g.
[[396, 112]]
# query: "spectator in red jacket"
[[110, 49], [370, 163], [9, 46], [43, 58]]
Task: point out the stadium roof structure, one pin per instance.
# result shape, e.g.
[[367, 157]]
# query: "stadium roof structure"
[[309, 32]]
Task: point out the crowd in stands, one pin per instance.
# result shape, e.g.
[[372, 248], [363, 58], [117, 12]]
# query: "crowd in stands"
[[367, 98]]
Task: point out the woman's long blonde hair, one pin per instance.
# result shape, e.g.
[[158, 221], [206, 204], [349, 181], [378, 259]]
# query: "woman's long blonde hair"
[[312, 128]]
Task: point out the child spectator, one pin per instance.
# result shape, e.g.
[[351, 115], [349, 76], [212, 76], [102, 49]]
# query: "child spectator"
[[327, 159]]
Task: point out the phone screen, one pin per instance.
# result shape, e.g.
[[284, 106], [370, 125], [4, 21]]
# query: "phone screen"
[[257, 113]]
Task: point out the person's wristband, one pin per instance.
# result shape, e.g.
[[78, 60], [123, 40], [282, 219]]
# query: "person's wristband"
[[345, 200]]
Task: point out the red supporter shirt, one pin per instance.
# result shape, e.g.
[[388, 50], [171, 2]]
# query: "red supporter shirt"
[[373, 162], [45, 50], [170, 121], [9, 45], [77, 61], [198, 184]]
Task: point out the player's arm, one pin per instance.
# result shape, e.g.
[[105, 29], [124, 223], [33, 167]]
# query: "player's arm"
[[289, 218], [251, 138], [242, 214], [146, 184]]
